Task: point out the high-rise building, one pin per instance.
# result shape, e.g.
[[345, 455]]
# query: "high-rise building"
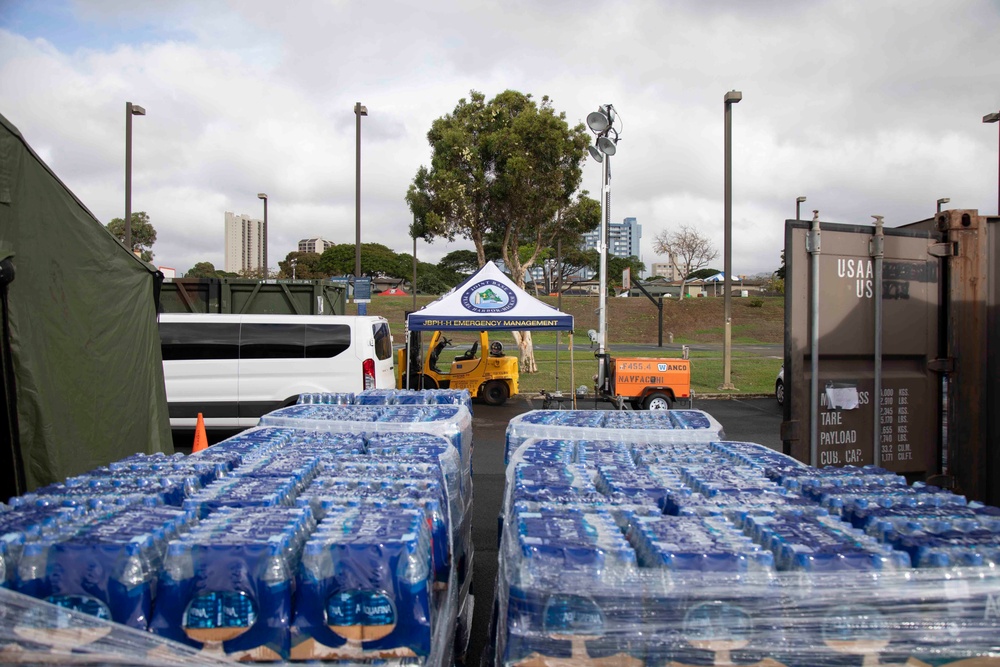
[[317, 245], [669, 269], [244, 243], [623, 241], [623, 238]]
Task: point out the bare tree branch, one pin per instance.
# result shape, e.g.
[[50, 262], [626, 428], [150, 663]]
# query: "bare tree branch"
[[687, 246]]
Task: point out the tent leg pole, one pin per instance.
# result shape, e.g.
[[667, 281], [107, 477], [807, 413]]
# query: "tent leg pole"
[[572, 370], [408, 363]]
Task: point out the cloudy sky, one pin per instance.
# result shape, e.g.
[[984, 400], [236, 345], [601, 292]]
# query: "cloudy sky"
[[865, 108]]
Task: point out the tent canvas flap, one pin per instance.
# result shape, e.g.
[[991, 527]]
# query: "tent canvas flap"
[[85, 364], [489, 300]]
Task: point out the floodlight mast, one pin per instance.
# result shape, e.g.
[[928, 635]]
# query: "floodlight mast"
[[601, 123]]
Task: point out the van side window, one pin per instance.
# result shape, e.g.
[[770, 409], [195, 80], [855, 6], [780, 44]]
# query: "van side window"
[[383, 340], [327, 340], [272, 341], [199, 340]]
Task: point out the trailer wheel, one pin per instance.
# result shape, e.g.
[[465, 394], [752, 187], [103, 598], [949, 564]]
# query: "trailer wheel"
[[657, 401], [494, 392]]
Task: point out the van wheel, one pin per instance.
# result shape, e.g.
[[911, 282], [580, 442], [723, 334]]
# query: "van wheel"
[[429, 382], [494, 392], [657, 401]]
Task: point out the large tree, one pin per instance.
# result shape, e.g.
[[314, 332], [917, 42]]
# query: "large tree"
[[376, 260], [143, 233], [462, 262], [503, 170], [617, 266], [306, 266], [687, 247], [207, 270]]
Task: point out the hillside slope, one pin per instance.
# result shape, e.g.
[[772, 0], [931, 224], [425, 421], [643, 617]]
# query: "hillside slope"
[[634, 320]]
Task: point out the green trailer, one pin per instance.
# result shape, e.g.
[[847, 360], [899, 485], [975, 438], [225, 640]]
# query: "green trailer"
[[235, 296]]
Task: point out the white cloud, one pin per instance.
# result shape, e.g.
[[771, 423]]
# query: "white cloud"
[[862, 107]]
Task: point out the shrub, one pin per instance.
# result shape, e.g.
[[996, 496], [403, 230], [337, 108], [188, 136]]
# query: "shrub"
[[755, 302]]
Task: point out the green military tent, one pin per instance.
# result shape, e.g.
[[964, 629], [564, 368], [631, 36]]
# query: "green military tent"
[[80, 358]]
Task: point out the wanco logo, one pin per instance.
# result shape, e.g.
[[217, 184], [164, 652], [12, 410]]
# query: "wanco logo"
[[662, 368]]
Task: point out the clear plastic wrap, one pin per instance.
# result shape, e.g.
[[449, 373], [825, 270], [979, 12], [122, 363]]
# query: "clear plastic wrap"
[[33, 632], [102, 565], [226, 587], [731, 554], [627, 426], [365, 586], [451, 421], [215, 573], [392, 397]]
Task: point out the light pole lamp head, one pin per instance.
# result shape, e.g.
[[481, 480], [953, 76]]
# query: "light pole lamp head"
[[136, 110], [607, 146], [601, 120], [261, 195], [943, 200], [991, 117], [799, 200], [596, 154], [733, 96], [360, 109]]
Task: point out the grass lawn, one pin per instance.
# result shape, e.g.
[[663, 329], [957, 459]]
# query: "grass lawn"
[[750, 373], [692, 321]]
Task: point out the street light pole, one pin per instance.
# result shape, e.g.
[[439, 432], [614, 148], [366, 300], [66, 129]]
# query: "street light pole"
[[413, 285], [359, 111], [731, 98], [943, 200], [261, 195], [130, 110], [798, 205], [602, 123], [993, 118], [602, 248]]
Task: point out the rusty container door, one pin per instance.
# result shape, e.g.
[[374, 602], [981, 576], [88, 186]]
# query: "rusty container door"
[[971, 304], [901, 428]]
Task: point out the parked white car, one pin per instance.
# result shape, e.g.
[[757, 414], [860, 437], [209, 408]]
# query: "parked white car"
[[779, 386]]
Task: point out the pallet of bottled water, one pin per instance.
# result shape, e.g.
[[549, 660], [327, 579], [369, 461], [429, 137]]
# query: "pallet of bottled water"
[[646, 552], [282, 543], [383, 411], [657, 426], [392, 397]]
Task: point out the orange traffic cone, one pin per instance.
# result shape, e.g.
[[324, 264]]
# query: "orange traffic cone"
[[200, 437]]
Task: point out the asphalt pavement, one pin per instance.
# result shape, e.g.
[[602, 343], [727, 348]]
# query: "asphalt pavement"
[[750, 420]]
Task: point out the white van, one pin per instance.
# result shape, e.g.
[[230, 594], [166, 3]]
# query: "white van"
[[235, 368]]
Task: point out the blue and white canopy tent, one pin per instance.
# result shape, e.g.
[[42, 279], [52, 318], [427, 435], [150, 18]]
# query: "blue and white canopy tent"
[[488, 301]]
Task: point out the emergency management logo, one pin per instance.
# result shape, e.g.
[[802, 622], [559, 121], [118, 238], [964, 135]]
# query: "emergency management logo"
[[489, 296]]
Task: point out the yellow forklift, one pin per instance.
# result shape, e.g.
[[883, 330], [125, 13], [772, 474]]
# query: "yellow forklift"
[[467, 360]]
